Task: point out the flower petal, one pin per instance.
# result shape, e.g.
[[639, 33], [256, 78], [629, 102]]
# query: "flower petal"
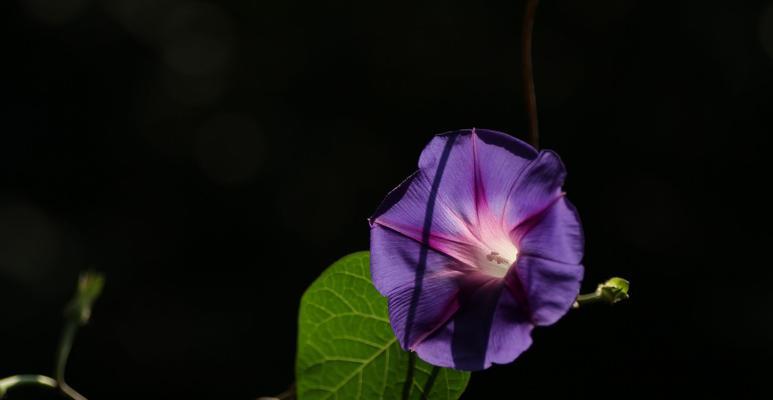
[[536, 189], [511, 331], [491, 326], [484, 166], [420, 284], [478, 194], [448, 202], [415, 210], [551, 287], [554, 234]]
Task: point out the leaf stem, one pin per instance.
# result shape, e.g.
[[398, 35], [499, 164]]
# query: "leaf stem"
[[528, 71], [409, 376], [430, 382]]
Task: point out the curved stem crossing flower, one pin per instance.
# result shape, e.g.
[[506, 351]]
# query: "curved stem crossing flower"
[[476, 248]]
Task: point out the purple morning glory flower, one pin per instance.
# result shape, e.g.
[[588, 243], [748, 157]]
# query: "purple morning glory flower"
[[477, 248]]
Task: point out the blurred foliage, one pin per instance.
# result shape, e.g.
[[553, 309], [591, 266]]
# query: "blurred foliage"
[[90, 285]]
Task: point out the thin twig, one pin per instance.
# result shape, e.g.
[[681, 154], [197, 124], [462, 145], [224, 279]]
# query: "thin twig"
[[528, 71]]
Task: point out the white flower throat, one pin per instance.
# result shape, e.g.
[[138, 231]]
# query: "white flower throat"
[[497, 263]]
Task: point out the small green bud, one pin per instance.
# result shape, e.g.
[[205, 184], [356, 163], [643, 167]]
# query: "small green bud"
[[90, 286], [614, 290]]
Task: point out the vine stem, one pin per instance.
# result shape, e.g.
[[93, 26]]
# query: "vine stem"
[[409, 376], [15, 381], [71, 326], [288, 394], [63, 351], [62, 354], [528, 71], [25, 380], [77, 313]]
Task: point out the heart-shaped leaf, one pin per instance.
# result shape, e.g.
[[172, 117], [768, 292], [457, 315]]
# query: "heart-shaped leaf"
[[347, 349]]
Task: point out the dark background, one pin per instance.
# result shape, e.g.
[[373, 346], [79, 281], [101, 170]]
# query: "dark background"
[[212, 158]]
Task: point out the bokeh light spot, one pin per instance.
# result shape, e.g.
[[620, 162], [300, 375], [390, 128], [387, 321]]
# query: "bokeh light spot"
[[198, 39]]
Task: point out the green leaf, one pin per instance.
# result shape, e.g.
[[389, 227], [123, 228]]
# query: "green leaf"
[[346, 347]]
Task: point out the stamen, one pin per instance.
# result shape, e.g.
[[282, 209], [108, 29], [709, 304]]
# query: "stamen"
[[495, 257]]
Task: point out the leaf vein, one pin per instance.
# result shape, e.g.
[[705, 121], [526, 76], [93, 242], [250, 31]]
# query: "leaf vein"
[[362, 366]]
